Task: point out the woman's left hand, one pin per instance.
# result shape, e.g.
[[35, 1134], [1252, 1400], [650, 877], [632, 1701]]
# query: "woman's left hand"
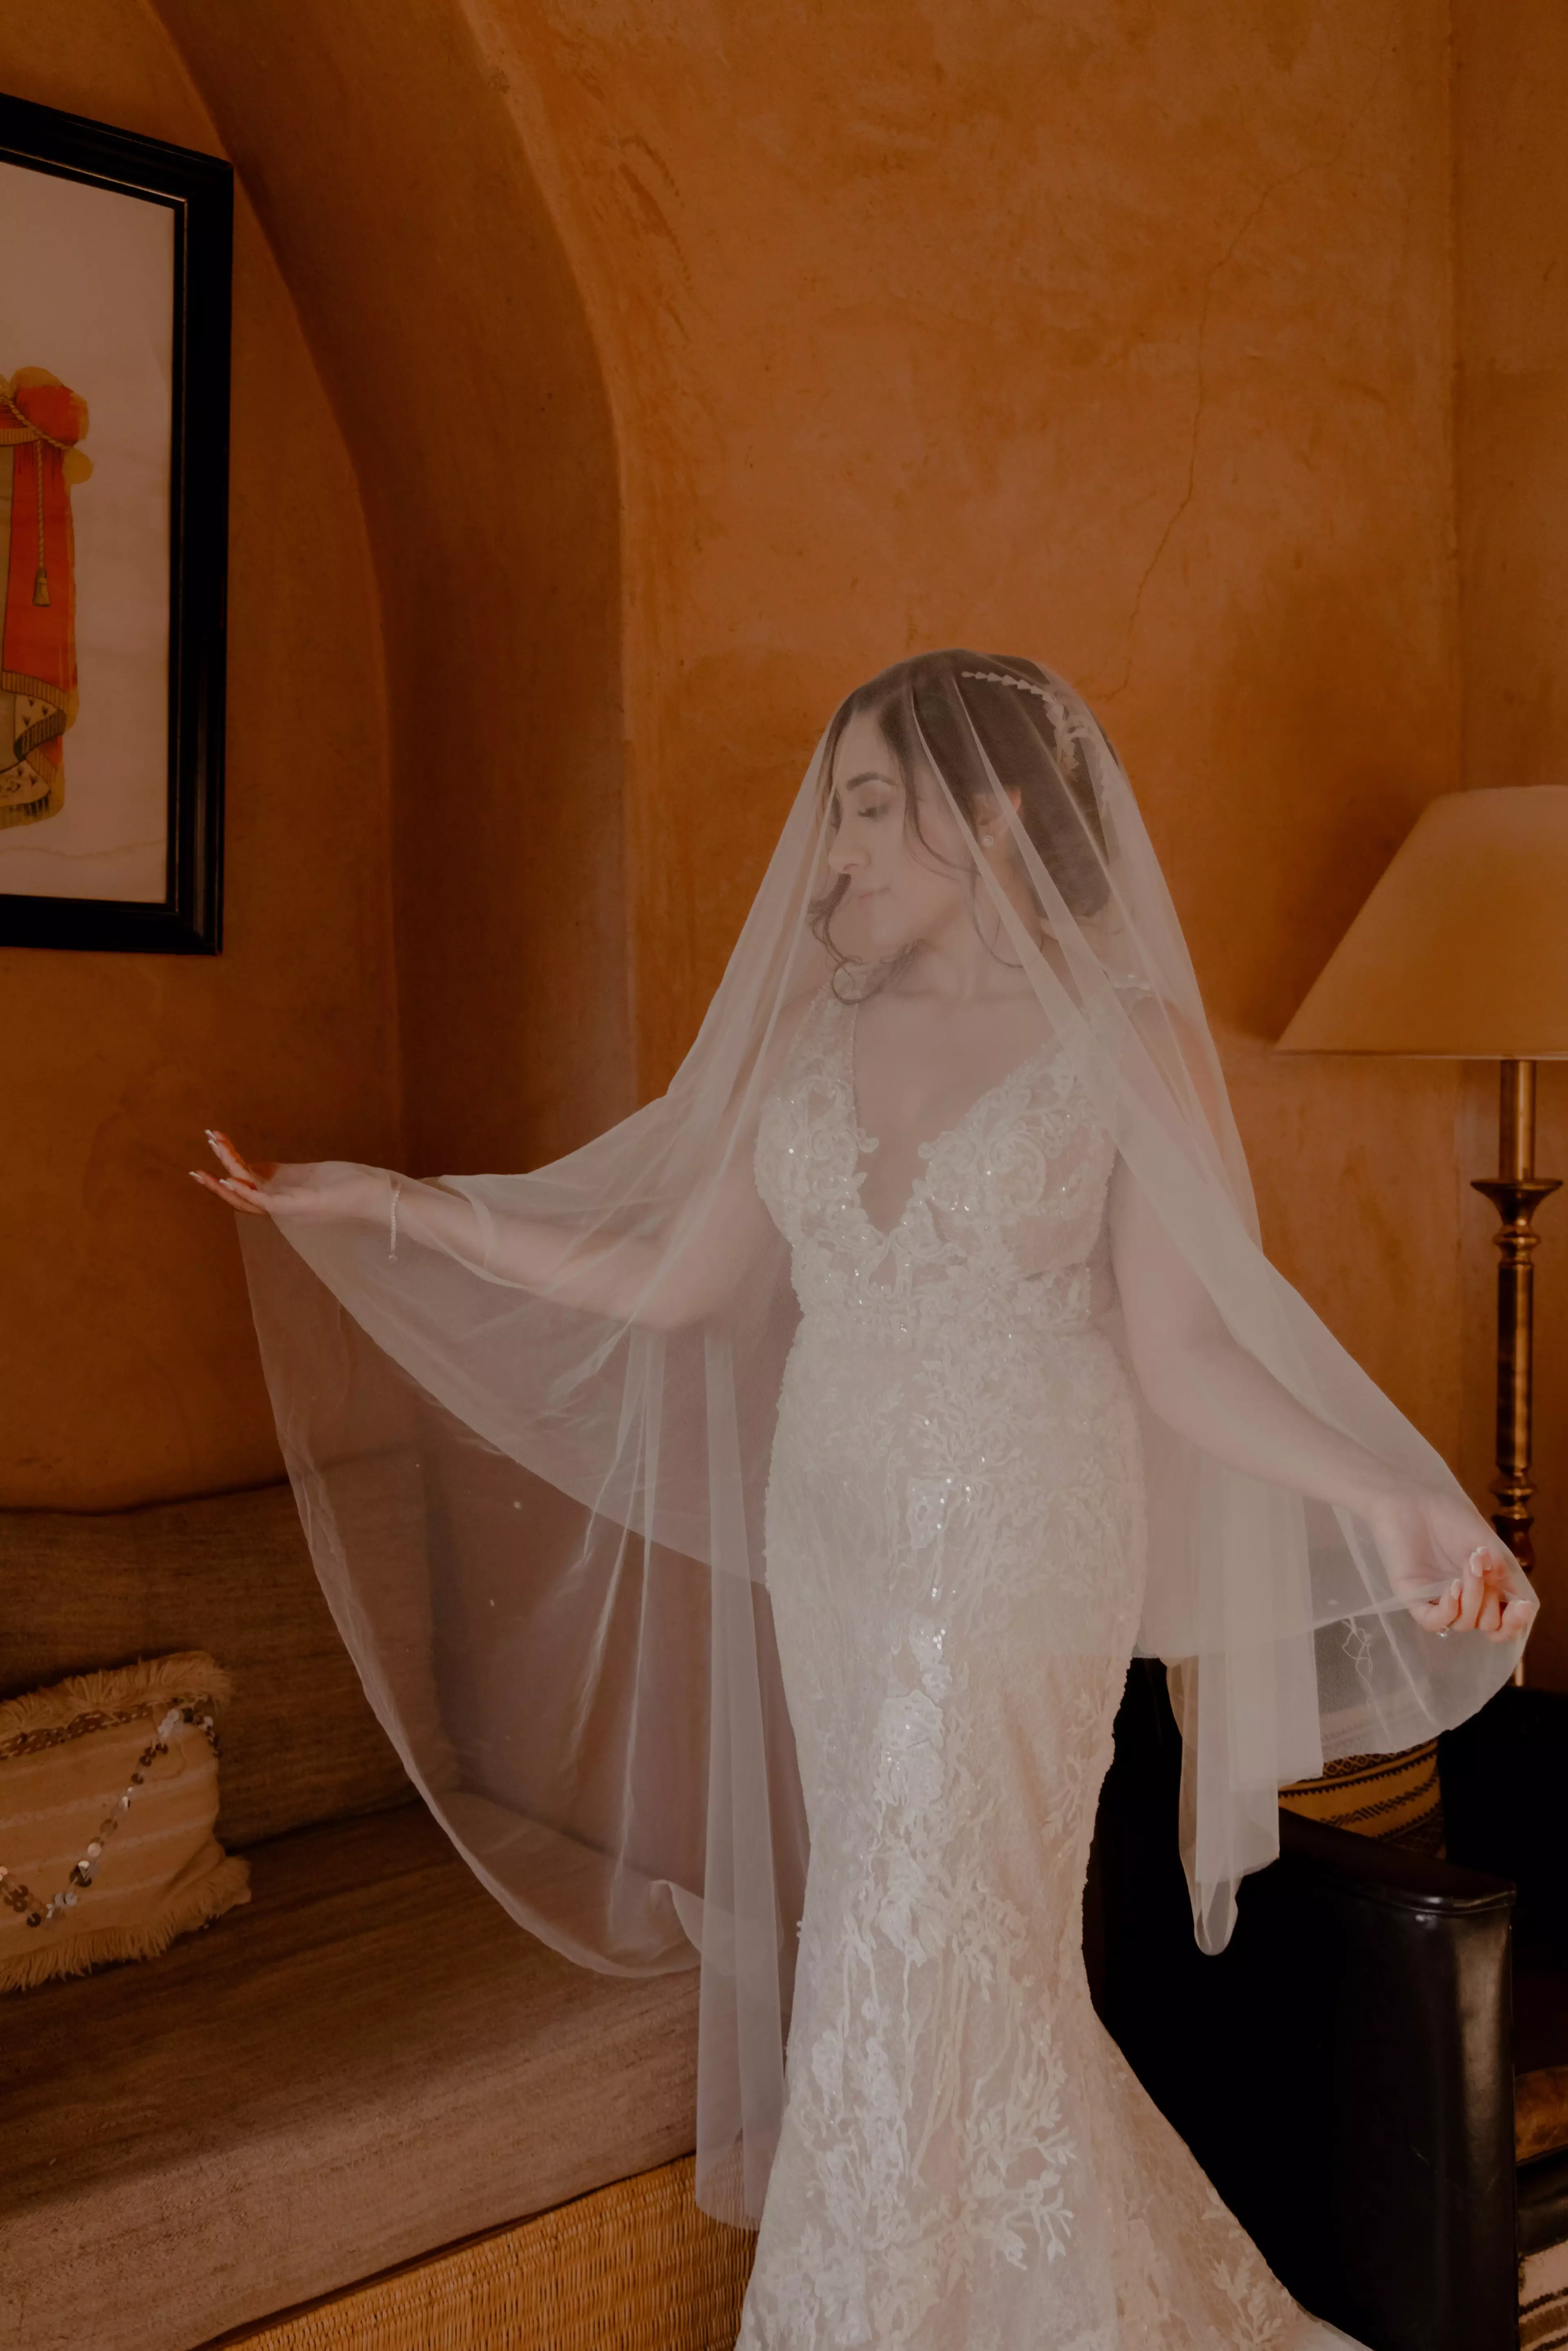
[[250, 1186], [1423, 1536]]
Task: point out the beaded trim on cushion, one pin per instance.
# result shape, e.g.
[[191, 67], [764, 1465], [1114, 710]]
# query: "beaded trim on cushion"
[[33, 1742]]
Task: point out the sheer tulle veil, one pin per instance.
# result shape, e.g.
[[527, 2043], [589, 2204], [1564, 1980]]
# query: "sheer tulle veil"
[[539, 1527]]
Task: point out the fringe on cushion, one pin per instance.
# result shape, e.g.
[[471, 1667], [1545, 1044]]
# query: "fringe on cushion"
[[186, 1672], [196, 1906]]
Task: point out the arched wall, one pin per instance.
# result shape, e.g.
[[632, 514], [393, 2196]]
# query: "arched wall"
[[130, 1365], [1115, 333], [394, 188]]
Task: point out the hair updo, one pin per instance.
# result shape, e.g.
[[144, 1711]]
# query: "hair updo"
[[964, 714]]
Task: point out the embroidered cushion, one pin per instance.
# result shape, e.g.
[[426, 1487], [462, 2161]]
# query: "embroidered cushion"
[[108, 1792]]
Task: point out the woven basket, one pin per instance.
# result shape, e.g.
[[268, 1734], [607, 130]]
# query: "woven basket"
[[635, 2267], [1397, 1798]]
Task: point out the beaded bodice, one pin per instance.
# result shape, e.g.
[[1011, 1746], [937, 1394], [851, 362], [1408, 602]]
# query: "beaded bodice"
[[1002, 1226]]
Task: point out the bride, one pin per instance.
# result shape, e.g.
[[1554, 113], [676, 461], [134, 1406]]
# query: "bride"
[[793, 1471]]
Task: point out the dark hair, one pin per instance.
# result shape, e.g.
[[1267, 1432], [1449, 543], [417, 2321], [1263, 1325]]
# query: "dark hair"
[[962, 713]]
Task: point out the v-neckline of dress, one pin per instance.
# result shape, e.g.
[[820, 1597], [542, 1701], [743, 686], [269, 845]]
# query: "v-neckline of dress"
[[865, 1143]]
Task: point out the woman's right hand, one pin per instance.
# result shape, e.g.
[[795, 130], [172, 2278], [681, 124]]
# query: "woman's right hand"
[[248, 1185], [1422, 1535]]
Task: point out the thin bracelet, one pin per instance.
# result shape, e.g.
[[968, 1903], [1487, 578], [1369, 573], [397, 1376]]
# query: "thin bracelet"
[[391, 1221]]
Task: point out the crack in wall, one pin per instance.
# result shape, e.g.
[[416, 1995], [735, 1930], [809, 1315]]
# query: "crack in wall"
[[1286, 178]]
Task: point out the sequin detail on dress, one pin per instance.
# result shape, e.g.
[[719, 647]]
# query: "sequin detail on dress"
[[954, 1558]]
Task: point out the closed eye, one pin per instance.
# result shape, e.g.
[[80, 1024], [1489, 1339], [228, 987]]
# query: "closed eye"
[[868, 804], [870, 795]]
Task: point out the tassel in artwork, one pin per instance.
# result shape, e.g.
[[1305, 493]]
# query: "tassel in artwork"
[[40, 577]]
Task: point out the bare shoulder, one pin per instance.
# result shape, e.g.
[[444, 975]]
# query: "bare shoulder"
[[767, 1057], [1178, 1047], [768, 1063]]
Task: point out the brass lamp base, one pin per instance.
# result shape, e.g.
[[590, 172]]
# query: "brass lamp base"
[[1516, 1191]]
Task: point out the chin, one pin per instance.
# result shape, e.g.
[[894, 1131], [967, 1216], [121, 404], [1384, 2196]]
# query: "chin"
[[871, 942]]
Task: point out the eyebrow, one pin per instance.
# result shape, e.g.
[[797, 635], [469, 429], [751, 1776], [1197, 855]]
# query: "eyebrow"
[[871, 776]]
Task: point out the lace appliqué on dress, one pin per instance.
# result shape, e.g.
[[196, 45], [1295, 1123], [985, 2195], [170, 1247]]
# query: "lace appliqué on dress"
[[955, 1559]]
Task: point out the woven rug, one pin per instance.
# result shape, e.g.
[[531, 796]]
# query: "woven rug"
[[635, 2267], [1544, 2300]]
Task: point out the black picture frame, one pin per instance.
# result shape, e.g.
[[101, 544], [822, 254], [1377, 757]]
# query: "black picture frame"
[[199, 191]]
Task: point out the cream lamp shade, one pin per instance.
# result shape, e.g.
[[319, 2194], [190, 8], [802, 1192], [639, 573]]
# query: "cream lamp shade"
[[1461, 951]]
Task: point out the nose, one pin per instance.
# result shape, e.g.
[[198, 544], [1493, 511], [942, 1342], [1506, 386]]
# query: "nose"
[[845, 856]]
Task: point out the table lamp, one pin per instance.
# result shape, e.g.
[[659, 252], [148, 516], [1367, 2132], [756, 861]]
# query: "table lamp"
[[1461, 953]]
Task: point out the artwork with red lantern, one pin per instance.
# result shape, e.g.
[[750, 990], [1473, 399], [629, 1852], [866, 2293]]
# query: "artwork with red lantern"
[[114, 311], [42, 426]]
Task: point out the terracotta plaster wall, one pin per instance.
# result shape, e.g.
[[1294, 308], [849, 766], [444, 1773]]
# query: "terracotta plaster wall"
[[131, 1369], [1510, 99], [1116, 333], [400, 201], [696, 361]]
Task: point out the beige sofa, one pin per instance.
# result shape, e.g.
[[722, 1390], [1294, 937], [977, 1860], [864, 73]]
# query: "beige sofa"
[[367, 2062]]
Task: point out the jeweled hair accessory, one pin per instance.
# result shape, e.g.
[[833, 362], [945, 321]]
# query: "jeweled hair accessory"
[[1000, 677], [1072, 726]]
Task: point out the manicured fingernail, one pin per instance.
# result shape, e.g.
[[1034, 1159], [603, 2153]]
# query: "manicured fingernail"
[[1455, 1589]]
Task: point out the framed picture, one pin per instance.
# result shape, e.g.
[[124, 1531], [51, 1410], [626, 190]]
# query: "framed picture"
[[115, 257]]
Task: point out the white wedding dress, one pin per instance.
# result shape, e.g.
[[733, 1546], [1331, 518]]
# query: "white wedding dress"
[[954, 1558], [549, 1431]]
